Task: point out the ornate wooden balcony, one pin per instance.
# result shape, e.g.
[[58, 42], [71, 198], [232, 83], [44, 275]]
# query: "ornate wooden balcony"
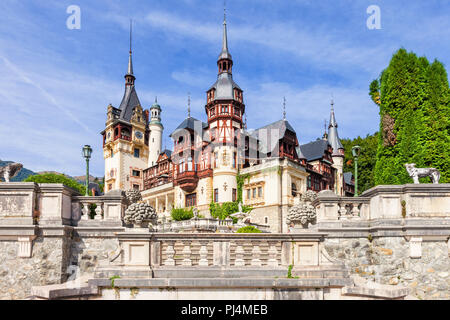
[[187, 180]]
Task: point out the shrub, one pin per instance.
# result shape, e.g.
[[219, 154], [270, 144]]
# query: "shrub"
[[182, 214], [58, 178], [248, 229], [223, 211]]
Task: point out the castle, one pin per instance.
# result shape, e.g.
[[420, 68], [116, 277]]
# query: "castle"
[[208, 157]]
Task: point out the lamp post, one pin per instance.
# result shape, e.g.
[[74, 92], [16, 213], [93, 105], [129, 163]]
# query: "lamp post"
[[87, 152], [356, 150]]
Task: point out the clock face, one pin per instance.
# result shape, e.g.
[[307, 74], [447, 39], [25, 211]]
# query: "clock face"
[[138, 134]]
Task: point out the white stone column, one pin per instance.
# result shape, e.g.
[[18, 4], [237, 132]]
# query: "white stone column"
[[187, 254], [256, 255], [239, 253], [156, 205], [273, 252], [203, 254], [170, 252]]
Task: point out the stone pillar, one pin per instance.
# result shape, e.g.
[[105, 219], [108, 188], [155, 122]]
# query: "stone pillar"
[[239, 252], [256, 255], [203, 254], [273, 252], [170, 252], [187, 254]]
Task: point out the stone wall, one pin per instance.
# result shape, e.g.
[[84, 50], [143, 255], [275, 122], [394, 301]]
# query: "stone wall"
[[387, 261], [88, 253], [46, 266]]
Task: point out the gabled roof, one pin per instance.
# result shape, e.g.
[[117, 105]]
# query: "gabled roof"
[[129, 101], [314, 150], [189, 123], [264, 135], [348, 178]]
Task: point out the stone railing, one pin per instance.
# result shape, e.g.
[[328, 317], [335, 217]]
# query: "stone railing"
[[109, 208], [205, 225], [166, 251], [386, 202]]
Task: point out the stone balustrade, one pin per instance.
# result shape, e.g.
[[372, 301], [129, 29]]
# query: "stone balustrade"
[[204, 225], [172, 251], [386, 202]]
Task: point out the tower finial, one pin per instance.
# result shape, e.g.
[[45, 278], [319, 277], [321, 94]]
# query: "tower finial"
[[189, 104], [225, 11], [130, 60], [156, 99], [284, 108], [131, 36]]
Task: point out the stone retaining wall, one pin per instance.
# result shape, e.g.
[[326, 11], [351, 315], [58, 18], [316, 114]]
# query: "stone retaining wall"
[[387, 261]]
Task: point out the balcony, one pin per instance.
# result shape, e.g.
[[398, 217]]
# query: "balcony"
[[187, 180]]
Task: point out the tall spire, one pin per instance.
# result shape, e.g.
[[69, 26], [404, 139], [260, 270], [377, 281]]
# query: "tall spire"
[[189, 104], [225, 54], [130, 74], [333, 136]]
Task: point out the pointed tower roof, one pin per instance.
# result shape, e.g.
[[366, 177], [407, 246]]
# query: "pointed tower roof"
[[130, 98], [225, 54], [333, 136]]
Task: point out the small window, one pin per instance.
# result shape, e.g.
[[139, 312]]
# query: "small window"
[[260, 193], [248, 193], [234, 195], [254, 192], [294, 190], [191, 200], [216, 195], [136, 153], [112, 153], [136, 187], [266, 220], [136, 173]]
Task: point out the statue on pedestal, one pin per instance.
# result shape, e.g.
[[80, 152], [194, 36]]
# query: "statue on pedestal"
[[416, 173]]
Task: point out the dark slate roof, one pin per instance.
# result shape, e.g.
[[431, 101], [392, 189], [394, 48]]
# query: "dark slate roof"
[[314, 150], [189, 123], [348, 178], [224, 87], [167, 152], [129, 101], [263, 134]]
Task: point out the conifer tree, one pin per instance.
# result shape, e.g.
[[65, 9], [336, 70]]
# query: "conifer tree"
[[414, 106]]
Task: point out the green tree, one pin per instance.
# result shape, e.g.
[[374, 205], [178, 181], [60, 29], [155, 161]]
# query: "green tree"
[[57, 178], [366, 160], [413, 96]]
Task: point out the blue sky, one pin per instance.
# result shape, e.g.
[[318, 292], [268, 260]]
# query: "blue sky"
[[56, 83]]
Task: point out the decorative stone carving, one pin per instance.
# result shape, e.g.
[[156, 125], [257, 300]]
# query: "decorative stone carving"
[[243, 218], [10, 171], [25, 247], [304, 212], [133, 196], [195, 212], [141, 214], [416, 173]]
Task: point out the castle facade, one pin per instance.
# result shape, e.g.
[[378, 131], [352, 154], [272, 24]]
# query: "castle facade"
[[218, 160]]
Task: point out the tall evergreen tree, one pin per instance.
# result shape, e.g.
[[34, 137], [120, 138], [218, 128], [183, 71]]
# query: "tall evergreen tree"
[[414, 118]]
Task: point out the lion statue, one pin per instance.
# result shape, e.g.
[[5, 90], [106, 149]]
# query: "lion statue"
[[416, 173], [10, 171]]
